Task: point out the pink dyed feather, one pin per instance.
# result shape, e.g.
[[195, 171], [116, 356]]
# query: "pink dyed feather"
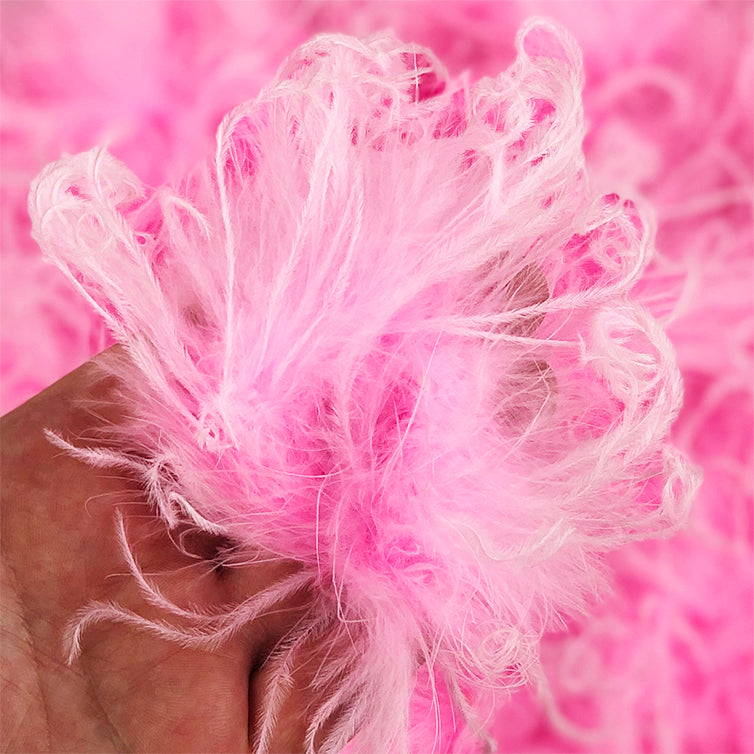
[[666, 663], [388, 331]]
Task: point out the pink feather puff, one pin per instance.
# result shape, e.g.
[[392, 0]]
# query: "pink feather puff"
[[388, 331]]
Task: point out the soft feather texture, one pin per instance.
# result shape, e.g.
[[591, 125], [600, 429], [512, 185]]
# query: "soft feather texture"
[[664, 663], [388, 331]]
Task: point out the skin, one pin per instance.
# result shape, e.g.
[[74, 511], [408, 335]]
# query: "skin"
[[128, 690]]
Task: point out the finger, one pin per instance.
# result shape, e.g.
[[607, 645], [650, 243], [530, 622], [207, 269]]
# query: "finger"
[[299, 696]]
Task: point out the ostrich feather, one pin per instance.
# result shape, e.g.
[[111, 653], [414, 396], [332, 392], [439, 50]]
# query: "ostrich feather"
[[387, 330]]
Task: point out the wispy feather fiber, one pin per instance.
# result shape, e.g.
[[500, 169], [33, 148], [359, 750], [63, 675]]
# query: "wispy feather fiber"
[[388, 331]]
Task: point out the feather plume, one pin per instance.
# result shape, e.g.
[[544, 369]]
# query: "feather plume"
[[388, 331]]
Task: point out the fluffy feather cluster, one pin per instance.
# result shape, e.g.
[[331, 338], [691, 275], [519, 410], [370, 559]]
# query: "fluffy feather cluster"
[[388, 331]]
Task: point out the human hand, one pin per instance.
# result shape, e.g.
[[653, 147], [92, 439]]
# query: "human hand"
[[128, 690]]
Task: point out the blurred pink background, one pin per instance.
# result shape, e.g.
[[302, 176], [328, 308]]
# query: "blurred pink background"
[[665, 663]]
